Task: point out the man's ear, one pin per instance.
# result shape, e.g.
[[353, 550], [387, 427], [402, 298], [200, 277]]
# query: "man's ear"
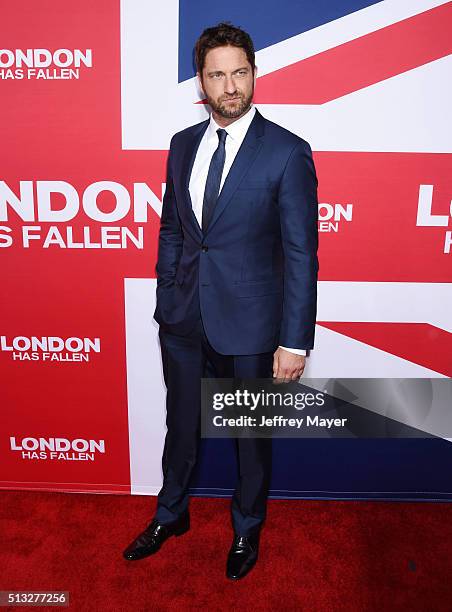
[[255, 74], [200, 84]]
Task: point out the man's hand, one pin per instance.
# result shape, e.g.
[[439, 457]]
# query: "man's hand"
[[287, 366]]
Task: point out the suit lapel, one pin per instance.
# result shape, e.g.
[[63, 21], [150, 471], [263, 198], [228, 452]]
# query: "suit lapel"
[[187, 166], [243, 160]]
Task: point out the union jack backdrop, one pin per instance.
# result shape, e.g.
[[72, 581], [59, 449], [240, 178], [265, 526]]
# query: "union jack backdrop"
[[91, 95]]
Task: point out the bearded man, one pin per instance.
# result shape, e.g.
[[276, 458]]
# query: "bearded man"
[[236, 280]]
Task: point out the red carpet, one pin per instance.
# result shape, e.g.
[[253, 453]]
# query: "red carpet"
[[323, 556]]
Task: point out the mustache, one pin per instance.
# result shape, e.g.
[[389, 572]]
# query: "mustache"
[[237, 95]]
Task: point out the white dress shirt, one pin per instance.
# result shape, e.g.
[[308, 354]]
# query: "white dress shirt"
[[236, 132]]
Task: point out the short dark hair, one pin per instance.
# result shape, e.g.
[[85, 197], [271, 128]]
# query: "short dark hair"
[[219, 36]]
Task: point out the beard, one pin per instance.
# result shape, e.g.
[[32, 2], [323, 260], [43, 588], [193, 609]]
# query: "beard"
[[231, 111]]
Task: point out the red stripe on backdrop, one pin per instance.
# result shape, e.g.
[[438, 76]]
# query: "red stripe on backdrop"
[[342, 70], [421, 343], [381, 241], [69, 130]]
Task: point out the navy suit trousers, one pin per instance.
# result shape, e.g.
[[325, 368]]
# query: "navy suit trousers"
[[187, 359]]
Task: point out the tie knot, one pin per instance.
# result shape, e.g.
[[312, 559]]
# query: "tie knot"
[[222, 135]]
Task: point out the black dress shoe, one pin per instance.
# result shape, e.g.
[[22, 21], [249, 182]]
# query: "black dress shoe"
[[152, 538], [242, 556]]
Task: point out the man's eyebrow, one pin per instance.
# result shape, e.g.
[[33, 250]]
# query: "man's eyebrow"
[[211, 72]]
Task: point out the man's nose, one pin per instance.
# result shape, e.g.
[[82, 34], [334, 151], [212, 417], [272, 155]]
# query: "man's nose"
[[229, 85]]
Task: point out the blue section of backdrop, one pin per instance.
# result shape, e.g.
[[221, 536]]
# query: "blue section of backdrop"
[[417, 469], [267, 21]]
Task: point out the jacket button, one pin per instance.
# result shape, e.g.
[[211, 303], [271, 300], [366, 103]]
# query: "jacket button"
[[204, 248]]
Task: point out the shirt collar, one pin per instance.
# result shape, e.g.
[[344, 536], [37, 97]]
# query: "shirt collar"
[[237, 129]]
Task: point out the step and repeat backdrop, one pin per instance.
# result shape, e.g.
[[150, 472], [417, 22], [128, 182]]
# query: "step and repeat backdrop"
[[90, 95]]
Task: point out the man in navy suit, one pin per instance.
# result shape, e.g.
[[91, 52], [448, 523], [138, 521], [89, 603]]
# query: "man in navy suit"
[[236, 279]]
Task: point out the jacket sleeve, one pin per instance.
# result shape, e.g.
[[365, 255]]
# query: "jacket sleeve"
[[170, 235], [298, 211]]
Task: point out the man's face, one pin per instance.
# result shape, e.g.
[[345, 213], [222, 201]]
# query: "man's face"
[[228, 81]]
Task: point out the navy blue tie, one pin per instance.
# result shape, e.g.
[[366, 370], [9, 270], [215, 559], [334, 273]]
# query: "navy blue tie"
[[213, 181]]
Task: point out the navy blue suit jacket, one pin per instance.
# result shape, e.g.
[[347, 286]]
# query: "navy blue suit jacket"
[[253, 275]]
